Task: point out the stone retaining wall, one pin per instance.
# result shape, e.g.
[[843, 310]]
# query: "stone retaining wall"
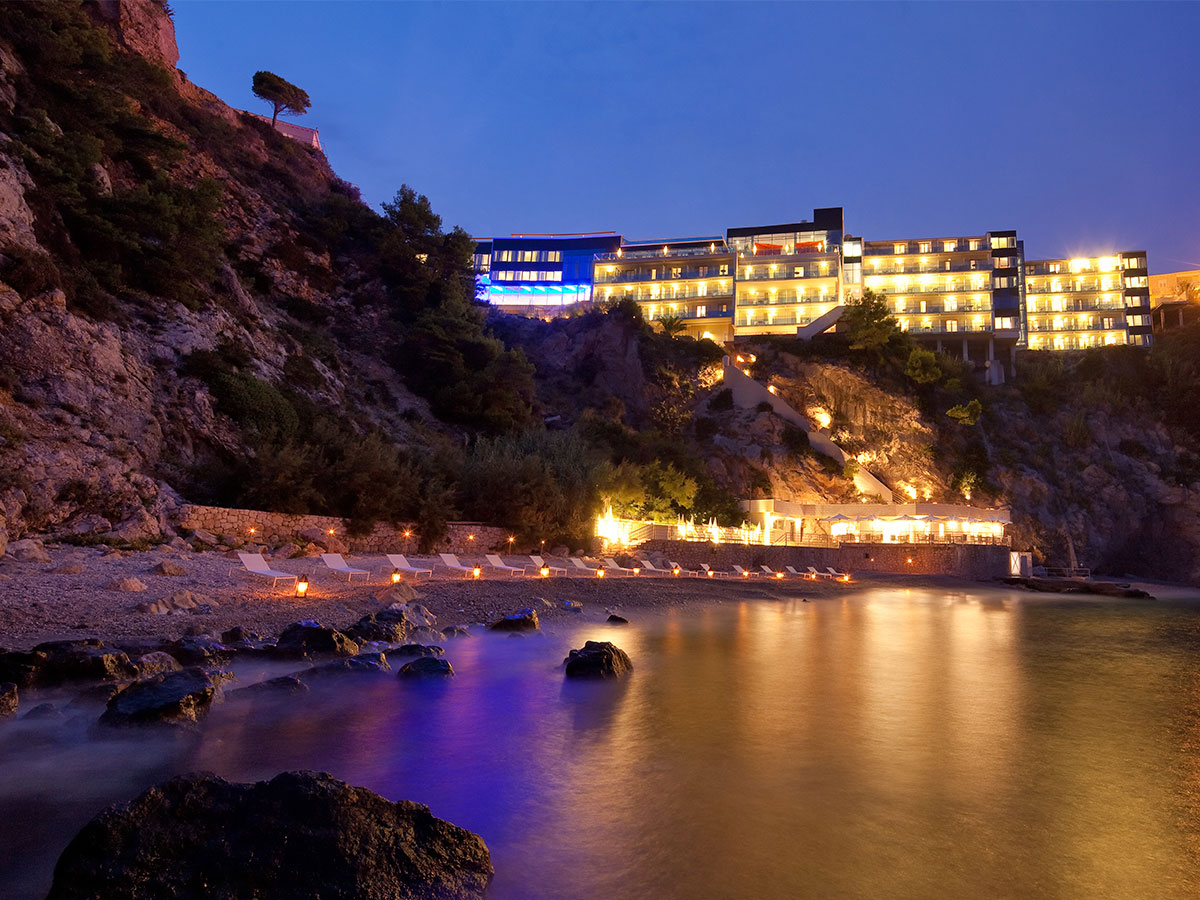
[[978, 562], [276, 528]]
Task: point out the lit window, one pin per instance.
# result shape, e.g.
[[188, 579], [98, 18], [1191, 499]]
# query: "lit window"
[[949, 246], [1055, 267], [899, 248], [797, 271], [724, 269], [952, 324], [701, 311], [973, 244], [925, 247], [951, 304]]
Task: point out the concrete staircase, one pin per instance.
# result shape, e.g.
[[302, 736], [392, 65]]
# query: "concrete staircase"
[[820, 324]]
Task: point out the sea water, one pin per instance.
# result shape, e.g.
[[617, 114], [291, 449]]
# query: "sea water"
[[921, 743]]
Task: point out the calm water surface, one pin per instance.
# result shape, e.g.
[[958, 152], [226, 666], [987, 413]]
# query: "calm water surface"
[[891, 743]]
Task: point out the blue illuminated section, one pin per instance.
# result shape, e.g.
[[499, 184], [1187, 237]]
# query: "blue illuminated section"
[[510, 295]]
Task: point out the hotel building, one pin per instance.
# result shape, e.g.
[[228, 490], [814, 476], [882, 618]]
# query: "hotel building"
[[788, 276], [691, 279], [956, 294], [973, 295], [1074, 304]]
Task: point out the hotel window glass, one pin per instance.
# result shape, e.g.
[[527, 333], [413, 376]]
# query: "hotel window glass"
[[701, 311], [899, 248], [924, 247], [973, 244], [676, 271], [1006, 323], [554, 256], [949, 246], [952, 324], [527, 256], [951, 304], [1108, 322], [504, 256], [724, 269], [1133, 262], [797, 271], [1136, 281], [974, 263], [1133, 321], [999, 242]]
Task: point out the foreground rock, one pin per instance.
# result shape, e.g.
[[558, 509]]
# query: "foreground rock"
[[9, 700], [309, 636], [417, 650], [300, 836], [1075, 586], [389, 625], [522, 620], [173, 698], [598, 659], [157, 663], [57, 662], [426, 667], [614, 619]]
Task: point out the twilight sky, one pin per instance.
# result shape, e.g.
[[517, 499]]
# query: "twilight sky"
[[1077, 124]]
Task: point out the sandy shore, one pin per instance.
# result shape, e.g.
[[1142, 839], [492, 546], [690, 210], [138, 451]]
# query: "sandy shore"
[[38, 602]]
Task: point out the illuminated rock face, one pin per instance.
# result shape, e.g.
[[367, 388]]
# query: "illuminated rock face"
[[302, 834], [598, 659]]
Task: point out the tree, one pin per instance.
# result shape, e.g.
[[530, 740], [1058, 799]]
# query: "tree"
[[868, 323], [922, 366], [672, 326], [283, 96], [966, 414]]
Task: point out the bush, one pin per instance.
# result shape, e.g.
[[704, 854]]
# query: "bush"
[[29, 272], [721, 401], [764, 407], [795, 440]]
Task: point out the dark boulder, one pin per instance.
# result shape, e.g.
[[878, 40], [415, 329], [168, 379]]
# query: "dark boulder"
[[174, 698], [598, 659], [309, 636], [455, 631], [521, 620], [9, 699], [96, 695], [366, 664], [388, 625], [426, 667], [417, 650], [614, 619], [21, 667], [284, 685], [199, 650], [44, 711], [245, 641], [86, 660], [157, 663], [299, 836]]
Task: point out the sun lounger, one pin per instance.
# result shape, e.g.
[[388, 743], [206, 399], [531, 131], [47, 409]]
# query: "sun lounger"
[[814, 574], [652, 569], [710, 572], [539, 564], [836, 575], [676, 567], [743, 573], [771, 573], [256, 565], [450, 561], [335, 562], [399, 563], [578, 563], [794, 571], [613, 566], [501, 566]]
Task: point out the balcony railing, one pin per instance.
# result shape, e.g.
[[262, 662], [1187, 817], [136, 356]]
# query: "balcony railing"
[[1064, 327], [786, 298], [642, 295], [983, 264], [785, 273], [716, 312], [691, 274], [1067, 306], [943, 310], [1091, 287], [894, 291], [942, 329], [657, 253]]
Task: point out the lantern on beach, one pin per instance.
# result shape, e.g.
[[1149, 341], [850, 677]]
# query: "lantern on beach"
[[637, 570], [599, 573], [476, 572], [395, 576], [302, 586], [710, 573], [544, 571], [675, 571]]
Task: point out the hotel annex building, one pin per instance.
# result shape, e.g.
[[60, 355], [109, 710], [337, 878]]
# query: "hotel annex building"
[[974, 295]]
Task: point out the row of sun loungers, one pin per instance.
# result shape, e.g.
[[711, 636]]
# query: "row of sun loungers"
[[256, 564]]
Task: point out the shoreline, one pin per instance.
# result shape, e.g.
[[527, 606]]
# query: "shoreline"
[[69, 598]]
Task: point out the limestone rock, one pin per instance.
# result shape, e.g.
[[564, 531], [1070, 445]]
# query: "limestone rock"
[[9, 700], [126, 584], [309, 636], [598, 659], [417, 650], [144, 26], [388, 625], [200, 536], [300, 835], [166, 567], [28, 550], [89, 523], [178, 602], [522, 620], [284, 685], [614, 619], [157, 663], [172, 698], [68, 569], [86, 660], [426, 667], [199, 650], [366, 664]]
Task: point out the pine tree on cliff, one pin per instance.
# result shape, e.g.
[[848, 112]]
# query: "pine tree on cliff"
[[283, 96]]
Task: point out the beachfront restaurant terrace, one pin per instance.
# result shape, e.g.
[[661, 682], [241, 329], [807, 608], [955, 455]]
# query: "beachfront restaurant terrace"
[[789, 523]]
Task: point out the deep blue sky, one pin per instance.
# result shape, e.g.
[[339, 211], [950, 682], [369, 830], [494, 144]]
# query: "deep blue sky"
[[1077, 124]]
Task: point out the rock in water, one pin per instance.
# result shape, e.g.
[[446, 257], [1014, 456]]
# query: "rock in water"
[[388, 625], [521, 620], [86, 660], [417, 650], [426, 666], [299, 836], [9, 700], [312, 637], [598, 659], [614, 619], [157, 663], [174, 698]]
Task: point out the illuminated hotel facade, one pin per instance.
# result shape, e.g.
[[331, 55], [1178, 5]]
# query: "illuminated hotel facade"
[[974, 296]]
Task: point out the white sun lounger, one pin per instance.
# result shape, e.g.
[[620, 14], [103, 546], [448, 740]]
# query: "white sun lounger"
[[710, 572], [539, 564], [256, 565], [613, 566], [652, 569], [400, 563], [814, 574], [771, 573], [744, 573], [676, 567], [501, 566], [580, 564], [335, 562], [450, 561], [794, 571], [835, 574]]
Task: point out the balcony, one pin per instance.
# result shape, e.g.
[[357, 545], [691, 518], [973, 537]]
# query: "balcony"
[[760, 272], [984, 264], [720, 312], [1033, 288], [931, 288], [942, 329], [942, 310], [789, 298], [624, 277], [657, 253], [1073, 305], [1067, 327], [683, 292], [761, 322]]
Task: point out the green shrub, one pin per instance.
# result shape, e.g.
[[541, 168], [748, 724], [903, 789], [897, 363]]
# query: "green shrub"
[[29, 272], [795, 440]]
